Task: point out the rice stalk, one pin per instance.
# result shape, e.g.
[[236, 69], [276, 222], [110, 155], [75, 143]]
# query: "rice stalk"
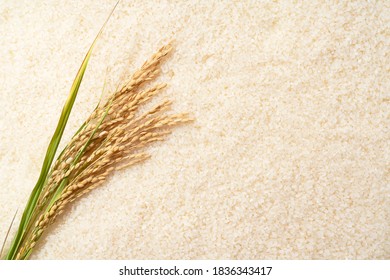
[[113, 137]]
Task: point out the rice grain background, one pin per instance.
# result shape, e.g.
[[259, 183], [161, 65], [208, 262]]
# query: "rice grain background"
[[288, 157]]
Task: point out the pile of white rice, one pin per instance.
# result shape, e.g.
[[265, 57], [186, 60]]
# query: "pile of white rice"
[[288, 156]]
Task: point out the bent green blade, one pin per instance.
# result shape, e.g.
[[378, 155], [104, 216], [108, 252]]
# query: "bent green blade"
[[7, 234]]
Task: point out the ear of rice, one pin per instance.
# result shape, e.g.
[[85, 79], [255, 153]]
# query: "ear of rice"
[[110, 139]]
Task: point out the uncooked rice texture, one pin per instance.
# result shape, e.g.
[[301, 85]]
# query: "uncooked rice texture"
[[288, 156]]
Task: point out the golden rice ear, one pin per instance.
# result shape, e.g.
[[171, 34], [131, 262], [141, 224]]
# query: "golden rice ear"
[[114, 140], [111, 138]]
